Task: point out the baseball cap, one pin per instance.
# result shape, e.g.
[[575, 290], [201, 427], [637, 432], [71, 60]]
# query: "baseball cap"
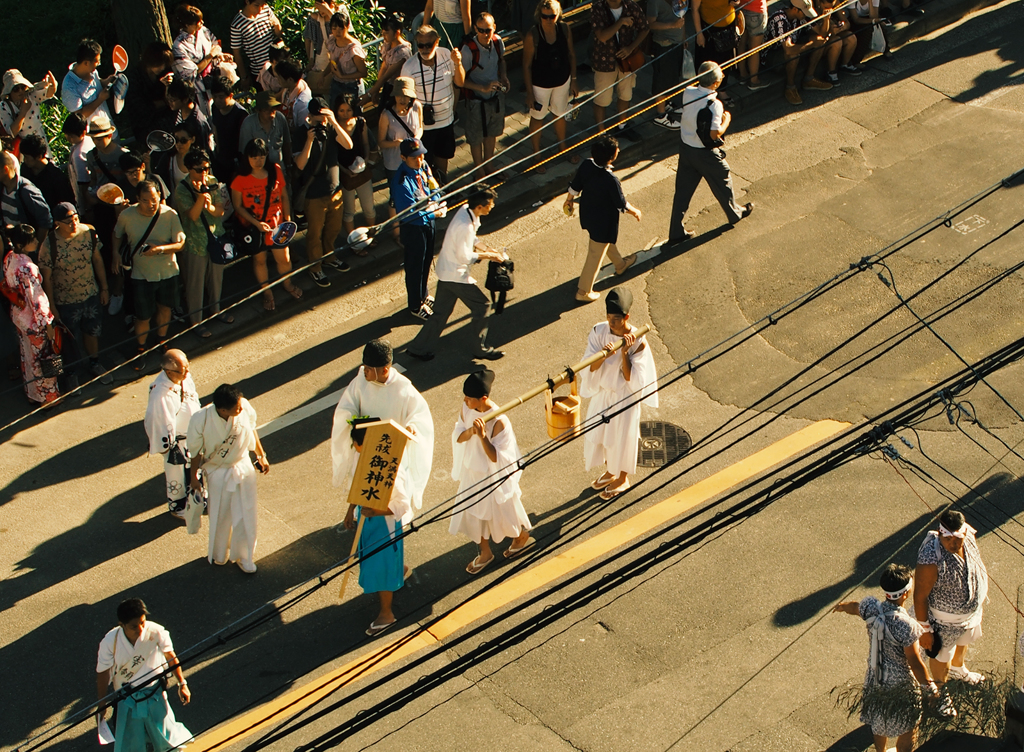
[[412, 147], [806, 6], [64, 211]]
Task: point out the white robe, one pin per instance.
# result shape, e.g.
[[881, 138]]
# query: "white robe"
[[499, 513], [614, 444], [168, 412], [230, 479], [397, 400]]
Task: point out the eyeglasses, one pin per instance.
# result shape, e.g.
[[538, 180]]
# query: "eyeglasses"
[[549, 16], [425, 45], [487, 31], [182, 139]]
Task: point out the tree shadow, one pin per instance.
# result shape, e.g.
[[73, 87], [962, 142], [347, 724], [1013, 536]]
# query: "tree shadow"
[[1003, 500]]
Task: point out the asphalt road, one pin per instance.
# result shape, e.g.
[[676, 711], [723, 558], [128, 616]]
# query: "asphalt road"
[[719, 642]]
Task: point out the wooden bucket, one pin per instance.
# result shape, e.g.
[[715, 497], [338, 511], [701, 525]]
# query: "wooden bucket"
[[563, 413]]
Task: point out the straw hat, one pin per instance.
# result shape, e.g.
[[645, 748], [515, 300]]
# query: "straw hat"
[[100, 125]]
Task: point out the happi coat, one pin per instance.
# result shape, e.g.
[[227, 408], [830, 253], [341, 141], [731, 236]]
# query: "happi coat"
[[614, 444]]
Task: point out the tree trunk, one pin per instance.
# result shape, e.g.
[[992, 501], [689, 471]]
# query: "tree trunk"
[[139, 22]]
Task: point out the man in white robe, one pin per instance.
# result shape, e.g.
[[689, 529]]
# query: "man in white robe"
[[485, 457], [173, 400], [220, 437], [379, 392], [134, 653], [625, 377]]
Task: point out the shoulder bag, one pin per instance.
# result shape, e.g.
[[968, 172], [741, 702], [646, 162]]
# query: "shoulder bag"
[[299, 199], [250, 238], [128, 253]]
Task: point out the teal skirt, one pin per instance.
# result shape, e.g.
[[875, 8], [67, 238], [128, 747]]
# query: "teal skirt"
[[385, 569]]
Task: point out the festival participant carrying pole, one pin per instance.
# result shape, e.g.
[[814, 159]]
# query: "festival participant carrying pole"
[[380, 454], [563, 378]]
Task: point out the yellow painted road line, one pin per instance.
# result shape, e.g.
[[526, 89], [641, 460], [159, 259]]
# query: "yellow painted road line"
[[297, 700]]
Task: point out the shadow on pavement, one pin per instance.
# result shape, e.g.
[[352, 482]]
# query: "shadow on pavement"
[[1003, 500]]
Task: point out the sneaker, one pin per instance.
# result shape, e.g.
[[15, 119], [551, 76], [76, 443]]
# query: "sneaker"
[[758, 86], [429, 303], [320, 279], [139, 364], [666, 122], [833, 78], [116, 301], [814, 83], [853, 70], [793, 96], [962, 673], [96, 369], [335, 263], [422, 312]]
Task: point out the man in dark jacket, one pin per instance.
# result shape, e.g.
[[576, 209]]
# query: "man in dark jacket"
[[599, 213]]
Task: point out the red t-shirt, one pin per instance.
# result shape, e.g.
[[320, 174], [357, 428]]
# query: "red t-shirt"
[[254, 194]]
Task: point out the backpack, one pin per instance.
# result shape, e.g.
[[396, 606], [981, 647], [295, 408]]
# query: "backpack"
[[704, 127], [474, 50]]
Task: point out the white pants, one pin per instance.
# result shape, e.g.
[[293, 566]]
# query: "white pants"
[[232, 511]]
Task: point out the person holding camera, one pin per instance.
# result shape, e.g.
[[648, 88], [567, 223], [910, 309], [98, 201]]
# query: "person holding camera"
[[702, 125], [436, 72], [483, 58], [153, 234], [202, 216], [320, 186]]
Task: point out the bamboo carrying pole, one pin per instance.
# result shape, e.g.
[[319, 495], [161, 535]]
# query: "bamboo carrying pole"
[[563, 377], [352, 556]]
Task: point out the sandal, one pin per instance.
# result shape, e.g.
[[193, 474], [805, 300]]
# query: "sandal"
[[610, 493], [203, 332], [511, 553], [375, 628], [476, 566], [597, 485], [226, 318], [294, 291]]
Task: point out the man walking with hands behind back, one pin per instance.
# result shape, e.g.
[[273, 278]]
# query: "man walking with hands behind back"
[[702, 127], [460, 250]]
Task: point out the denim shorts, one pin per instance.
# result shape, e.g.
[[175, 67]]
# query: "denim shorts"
[[755, 24]]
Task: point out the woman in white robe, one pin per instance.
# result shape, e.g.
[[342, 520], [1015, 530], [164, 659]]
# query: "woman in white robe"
[[481, 454], [612, 384], [220, 437]]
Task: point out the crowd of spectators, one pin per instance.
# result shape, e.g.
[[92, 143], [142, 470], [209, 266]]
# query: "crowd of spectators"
[[228, 180]]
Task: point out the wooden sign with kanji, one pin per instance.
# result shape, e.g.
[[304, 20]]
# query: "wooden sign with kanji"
[[374, 479]]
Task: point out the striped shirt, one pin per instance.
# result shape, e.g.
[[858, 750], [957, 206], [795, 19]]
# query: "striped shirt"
[[254, 36], [435, 85]]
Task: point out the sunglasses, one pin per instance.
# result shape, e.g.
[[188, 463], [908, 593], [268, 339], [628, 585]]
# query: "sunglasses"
[[182, 139], [549, 16], [425, 45], [204, 168], [484, 31]]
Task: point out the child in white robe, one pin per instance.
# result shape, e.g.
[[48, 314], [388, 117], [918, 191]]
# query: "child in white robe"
[[481, 454], [612, 384], [220, 437]]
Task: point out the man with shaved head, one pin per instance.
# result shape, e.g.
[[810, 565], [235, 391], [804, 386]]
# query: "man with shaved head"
[[172, 401]]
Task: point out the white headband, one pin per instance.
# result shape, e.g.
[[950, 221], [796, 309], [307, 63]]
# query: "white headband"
[[894, 594], [961, 533]]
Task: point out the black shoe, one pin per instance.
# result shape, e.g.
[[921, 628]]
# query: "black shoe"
[[320, 279], [748, 209], [420, 356], [687, 236], [489, 354]]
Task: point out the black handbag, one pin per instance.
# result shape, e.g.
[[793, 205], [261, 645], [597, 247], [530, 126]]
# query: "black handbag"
[[500, 280], [52, 365]]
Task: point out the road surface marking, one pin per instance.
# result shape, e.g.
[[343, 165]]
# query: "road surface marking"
[[301, 413], [546, 572]]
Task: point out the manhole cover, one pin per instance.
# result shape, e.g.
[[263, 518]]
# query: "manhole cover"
[[661, 442]]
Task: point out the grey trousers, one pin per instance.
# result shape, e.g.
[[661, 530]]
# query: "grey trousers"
[[476, 301], [202, 275], [695, 165]]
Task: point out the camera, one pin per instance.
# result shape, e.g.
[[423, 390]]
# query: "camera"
[[428, 114], [320, 131]]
